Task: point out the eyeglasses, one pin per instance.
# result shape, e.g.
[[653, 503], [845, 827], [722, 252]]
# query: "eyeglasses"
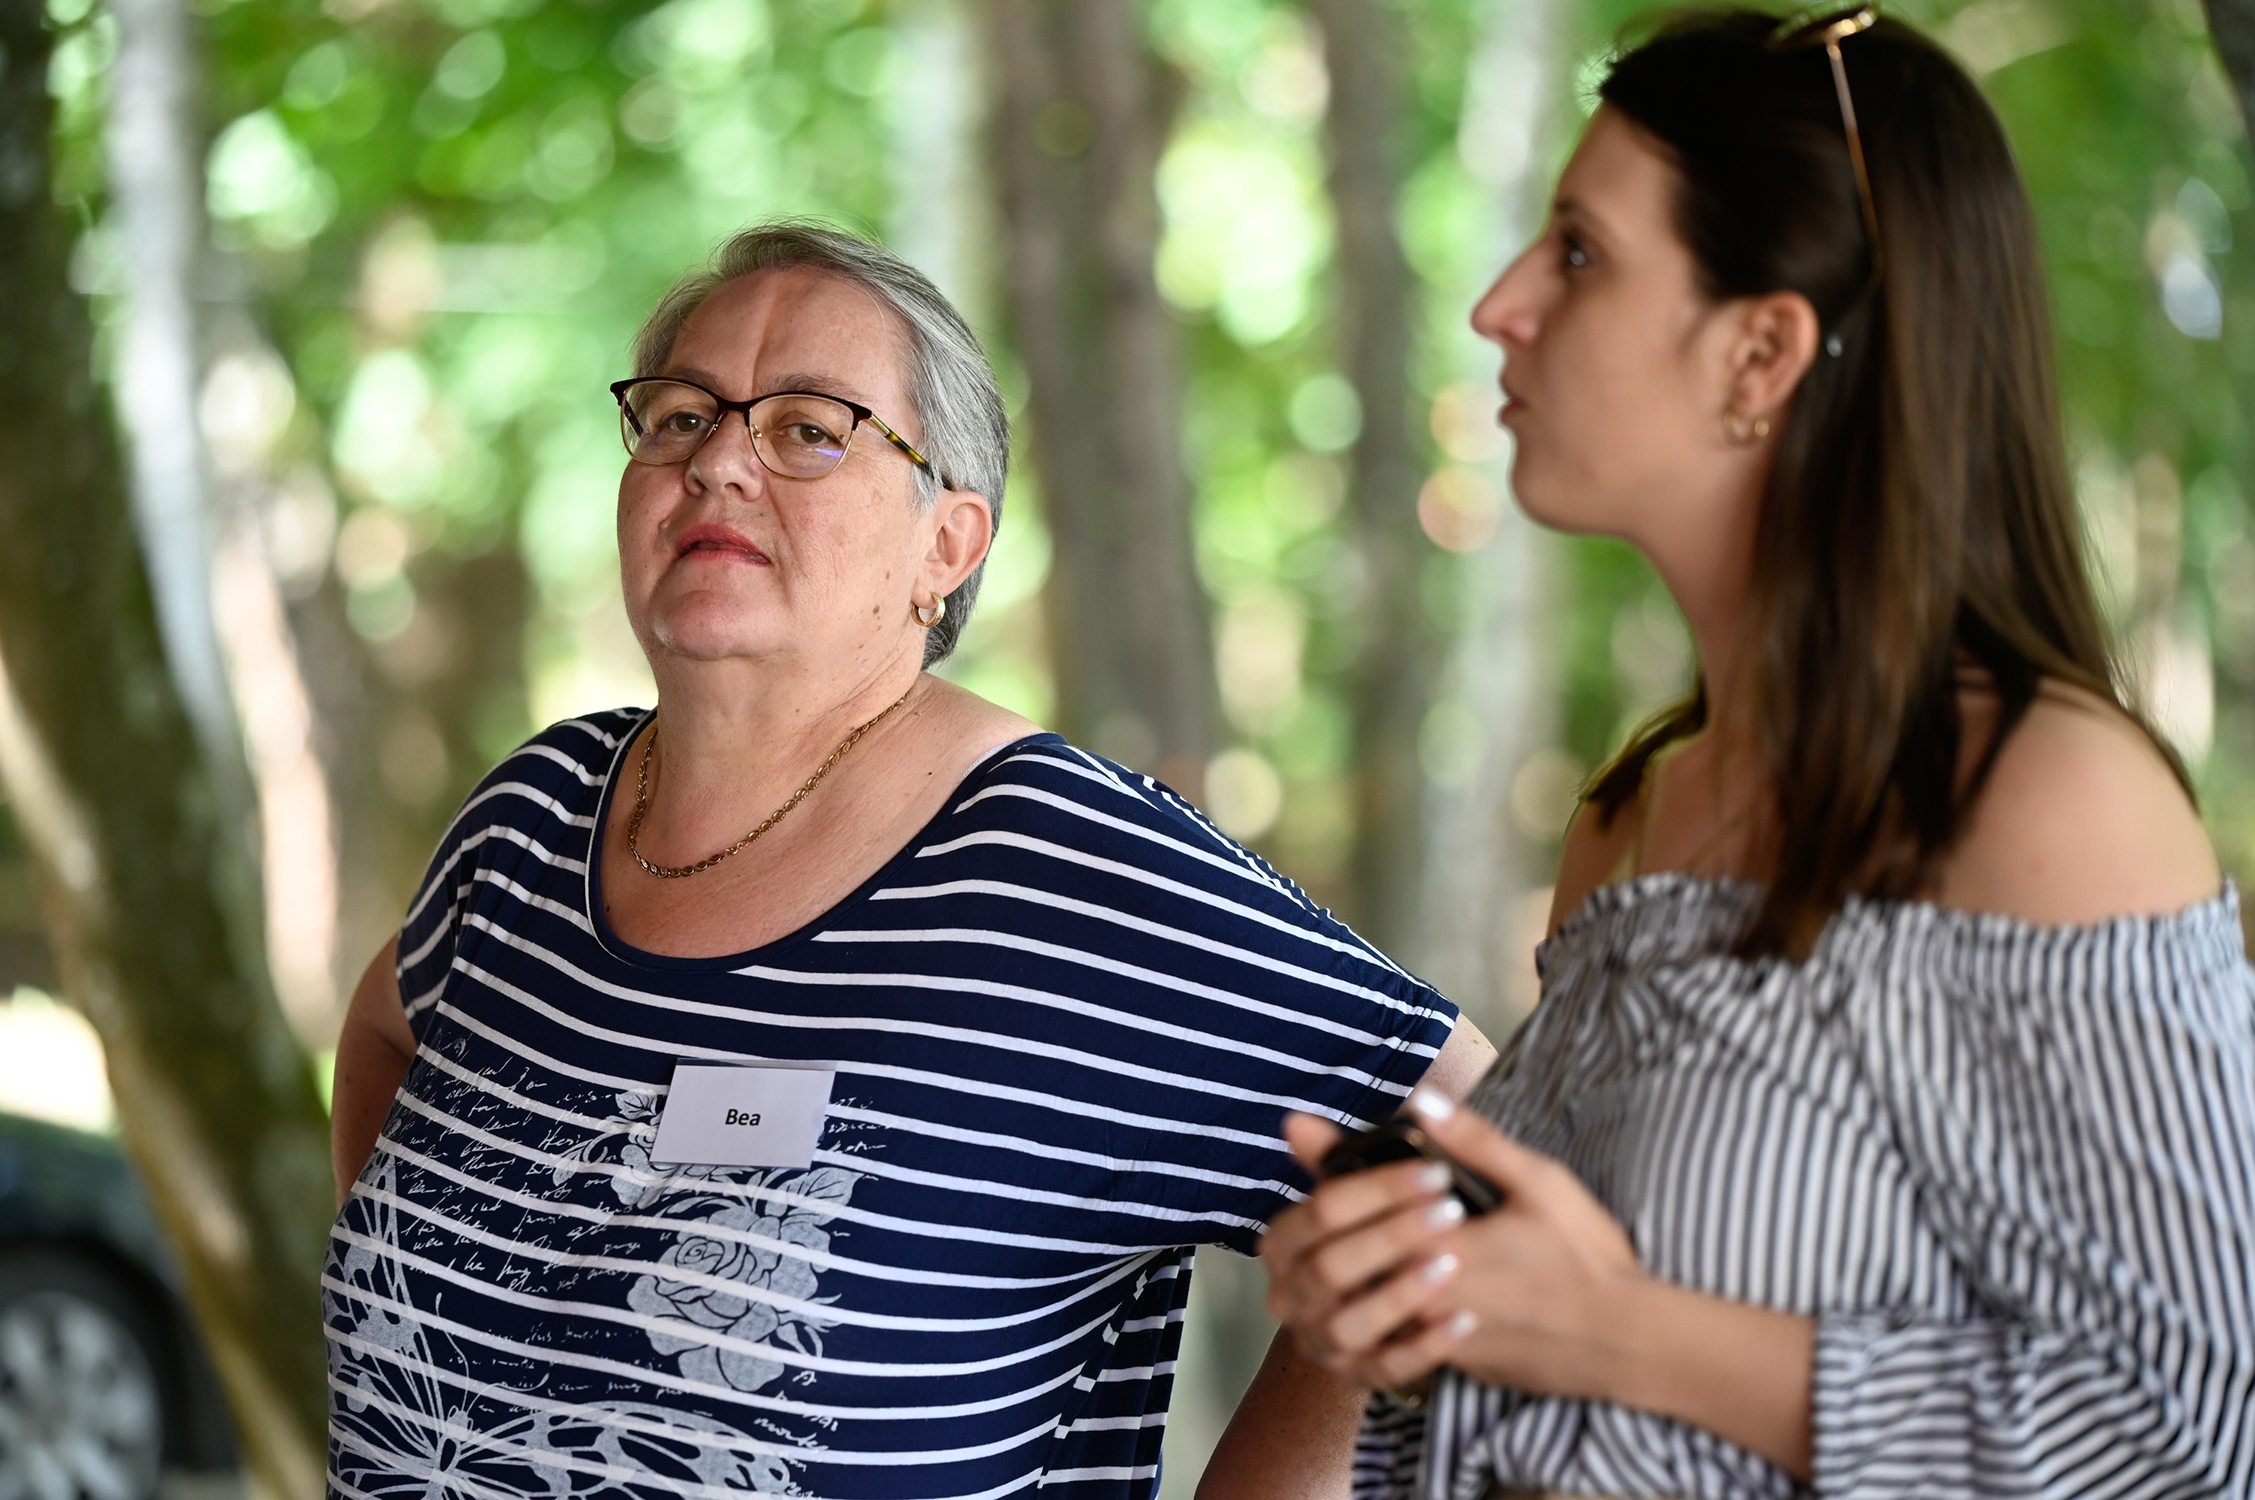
[[1828, 29], [796, 434]]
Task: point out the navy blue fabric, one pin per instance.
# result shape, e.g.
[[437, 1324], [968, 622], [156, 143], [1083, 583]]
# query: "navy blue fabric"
[[1067, 1020]]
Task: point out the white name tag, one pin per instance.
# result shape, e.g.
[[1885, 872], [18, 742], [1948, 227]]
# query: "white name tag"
[[735, 1116]]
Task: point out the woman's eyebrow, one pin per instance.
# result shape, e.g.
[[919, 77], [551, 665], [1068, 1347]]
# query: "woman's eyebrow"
[[694, 374], [817, 385], [1573, 208], [813, 385]]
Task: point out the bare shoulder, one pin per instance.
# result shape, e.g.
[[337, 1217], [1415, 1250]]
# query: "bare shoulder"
[[1593, 849], [969, 726], [2081, 819]]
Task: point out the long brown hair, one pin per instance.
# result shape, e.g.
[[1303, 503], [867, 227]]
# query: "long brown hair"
[[1918, 514]]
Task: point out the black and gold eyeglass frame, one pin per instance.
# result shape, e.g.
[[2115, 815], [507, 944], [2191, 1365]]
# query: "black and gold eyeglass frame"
[[795, 434], [1828, 29]]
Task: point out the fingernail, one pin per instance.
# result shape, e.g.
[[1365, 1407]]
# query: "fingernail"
[[1430, 1104], [1433, 1177], [1460, 1325], [1439, 1269], [1446, 1213]]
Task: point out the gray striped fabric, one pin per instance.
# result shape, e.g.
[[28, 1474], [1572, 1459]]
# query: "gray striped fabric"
[[2009, 1169]]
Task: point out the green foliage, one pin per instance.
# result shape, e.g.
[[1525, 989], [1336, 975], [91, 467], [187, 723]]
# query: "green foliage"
[[448, 215]]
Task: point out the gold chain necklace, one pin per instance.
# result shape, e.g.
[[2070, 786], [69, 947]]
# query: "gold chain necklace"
[[642, 799]]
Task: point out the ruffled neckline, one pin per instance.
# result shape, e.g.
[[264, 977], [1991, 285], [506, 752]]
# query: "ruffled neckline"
[[1668, 915]]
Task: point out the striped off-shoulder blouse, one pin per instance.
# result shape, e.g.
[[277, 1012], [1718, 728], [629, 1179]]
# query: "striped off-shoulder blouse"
[[2009, 1169]]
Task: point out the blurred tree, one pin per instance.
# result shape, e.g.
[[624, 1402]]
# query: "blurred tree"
[[1505, 687], [2233, 24], [155, 136], [1394, 654], [142, 883], [436, 222], [1080, 112]]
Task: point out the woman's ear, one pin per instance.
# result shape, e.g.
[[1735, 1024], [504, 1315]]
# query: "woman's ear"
[[963, 530], [1772, 348]]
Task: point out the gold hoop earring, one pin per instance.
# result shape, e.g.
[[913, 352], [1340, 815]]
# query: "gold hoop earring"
[[1742, 432], [937, 613]]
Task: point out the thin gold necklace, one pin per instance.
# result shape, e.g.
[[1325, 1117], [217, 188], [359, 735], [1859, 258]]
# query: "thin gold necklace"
[[642, 799]]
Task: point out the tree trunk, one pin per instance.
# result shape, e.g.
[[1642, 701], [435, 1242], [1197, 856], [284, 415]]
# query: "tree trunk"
[[156, 185], [1391, 681], [141, 883], [940, 220], [1077, 127], [1483, 868], [2232, 24]]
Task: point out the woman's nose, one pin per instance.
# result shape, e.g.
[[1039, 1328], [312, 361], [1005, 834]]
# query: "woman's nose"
[[1505, 311], [728, 455]]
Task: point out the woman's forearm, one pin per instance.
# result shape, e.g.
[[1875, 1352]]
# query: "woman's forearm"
[[1293, 1434], [373, 1052], [1740, 1372], [367, 1078]]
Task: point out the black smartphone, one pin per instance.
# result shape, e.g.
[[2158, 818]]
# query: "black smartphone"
[[1403, 1139]]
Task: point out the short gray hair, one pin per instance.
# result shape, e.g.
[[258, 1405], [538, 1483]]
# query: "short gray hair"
[[951, 385]]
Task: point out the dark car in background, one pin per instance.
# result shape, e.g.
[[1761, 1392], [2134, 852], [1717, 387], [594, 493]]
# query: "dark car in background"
[[102, 1381]]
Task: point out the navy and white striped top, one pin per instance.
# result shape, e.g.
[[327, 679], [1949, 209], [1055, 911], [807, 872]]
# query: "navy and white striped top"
[[1067, 1021], [2009, 1169]]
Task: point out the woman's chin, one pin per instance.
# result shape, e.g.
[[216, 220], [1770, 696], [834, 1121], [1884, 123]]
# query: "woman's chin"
[[1550, 504], [698, 630], [1539, 502]]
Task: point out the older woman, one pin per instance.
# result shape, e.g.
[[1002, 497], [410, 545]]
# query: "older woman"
[[819, 1082]]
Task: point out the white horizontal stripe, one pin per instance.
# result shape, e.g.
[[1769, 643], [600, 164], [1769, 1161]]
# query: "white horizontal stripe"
[[1022, 1192], [608, 741], [1138, 1372], [1234, 1000], [668, 1380], [475, 1440], [1298, 931], [971, 1036], [627, 1317], [1013, 1047], [907, 1126], [918, 1274], [538, 902], [1070, 760], [1088, 814], [550, 752], [826, 1311], [1199, 942], [523, 841], [437, 880], [1120, 1424], [983, 1091], [750, 1192], [913, 1125], [426, 1000], [453, 1482], [1046, 999], [848, 1265]]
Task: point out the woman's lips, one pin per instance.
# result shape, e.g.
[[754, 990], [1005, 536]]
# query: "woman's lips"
[[720, 543]]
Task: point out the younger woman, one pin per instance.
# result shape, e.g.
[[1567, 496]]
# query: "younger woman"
[[1887, 1126]]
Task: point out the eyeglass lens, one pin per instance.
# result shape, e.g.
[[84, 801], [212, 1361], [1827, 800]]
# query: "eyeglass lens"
[[797, 436]]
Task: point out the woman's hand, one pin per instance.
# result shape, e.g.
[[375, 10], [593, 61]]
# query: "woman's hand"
[[1383, 1280]]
